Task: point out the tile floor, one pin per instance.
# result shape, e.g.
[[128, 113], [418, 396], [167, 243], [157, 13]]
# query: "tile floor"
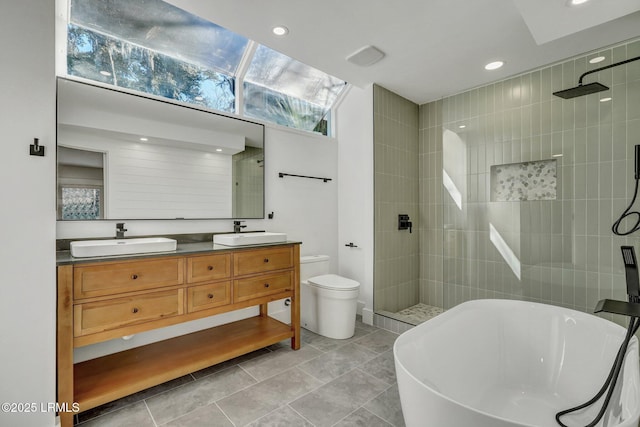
[[326, 383]]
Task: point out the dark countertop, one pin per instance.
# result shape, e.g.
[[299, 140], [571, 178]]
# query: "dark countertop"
[[65, 258]]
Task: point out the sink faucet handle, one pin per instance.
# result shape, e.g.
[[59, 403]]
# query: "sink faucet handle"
[[237, 226]]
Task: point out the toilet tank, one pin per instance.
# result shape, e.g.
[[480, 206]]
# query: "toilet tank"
[[313, 265]]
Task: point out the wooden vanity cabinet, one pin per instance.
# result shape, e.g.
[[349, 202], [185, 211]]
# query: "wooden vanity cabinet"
[[103, 300]]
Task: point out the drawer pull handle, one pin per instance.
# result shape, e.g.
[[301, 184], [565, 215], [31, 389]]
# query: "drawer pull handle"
[[266, 285], [210, 267], [134, 277], [210, 296], [135, 310], [266, 260]]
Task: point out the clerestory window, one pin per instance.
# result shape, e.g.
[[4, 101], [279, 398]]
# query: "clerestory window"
[[154, 47]]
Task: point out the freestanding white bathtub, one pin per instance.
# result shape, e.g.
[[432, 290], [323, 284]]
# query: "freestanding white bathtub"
[[498, 363]]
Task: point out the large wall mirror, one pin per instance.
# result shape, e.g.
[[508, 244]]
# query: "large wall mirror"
[[126, 156]]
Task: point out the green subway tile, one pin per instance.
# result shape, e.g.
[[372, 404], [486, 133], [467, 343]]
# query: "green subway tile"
[[633, 100]]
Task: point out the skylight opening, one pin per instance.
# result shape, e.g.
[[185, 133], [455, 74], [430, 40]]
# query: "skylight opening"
[[285, 91], [164, 29], [154, 47]]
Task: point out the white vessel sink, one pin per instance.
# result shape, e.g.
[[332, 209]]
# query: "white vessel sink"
[[257, 238], [91, 248]]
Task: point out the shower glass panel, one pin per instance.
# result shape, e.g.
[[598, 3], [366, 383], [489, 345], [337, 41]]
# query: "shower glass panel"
[[532, 184], [517, 190], [510, 208]]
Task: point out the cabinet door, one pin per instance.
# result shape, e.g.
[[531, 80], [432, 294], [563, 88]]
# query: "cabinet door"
[[208, 296], [208, 268], [111, 314], [262, 260], [263, 285], [126, 276]]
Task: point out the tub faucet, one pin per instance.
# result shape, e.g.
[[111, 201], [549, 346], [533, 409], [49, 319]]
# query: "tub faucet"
[[237, 227], [120, 230]]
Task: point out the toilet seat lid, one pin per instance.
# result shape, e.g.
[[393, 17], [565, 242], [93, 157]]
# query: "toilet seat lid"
[[333, 281]]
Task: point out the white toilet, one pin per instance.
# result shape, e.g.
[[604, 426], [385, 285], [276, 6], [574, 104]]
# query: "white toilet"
[[328, 302]]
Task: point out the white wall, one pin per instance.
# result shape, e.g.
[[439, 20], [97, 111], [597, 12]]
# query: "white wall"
[[355, 192], [27, 253], [305, 209]]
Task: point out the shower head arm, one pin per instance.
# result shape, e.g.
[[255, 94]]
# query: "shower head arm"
[[606, 67]]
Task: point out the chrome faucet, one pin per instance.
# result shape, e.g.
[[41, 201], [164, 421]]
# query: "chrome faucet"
[[237, 227], [120, 230]]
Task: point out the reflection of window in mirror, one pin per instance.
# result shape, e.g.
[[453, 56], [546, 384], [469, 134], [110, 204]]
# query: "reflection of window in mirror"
[[80, 184]]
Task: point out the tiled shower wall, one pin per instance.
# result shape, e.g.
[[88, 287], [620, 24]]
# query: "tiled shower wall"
[[431, 206], [559, 251], [397, 270]]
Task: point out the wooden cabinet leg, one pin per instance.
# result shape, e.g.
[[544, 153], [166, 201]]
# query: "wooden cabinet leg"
[[64, 338], [264, 310], [295, 339], [295, 301], [66, 419]]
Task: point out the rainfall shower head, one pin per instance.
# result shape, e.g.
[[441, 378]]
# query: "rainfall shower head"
[[590, 87], [581, 90]]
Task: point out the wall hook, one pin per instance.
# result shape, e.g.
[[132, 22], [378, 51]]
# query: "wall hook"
[[36, 149], [270, 216]]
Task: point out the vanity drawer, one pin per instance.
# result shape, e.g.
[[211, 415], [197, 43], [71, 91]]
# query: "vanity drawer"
[[105, 315], [208, 296], [126, 276], [260, 286], [262, 260], [207, 268]]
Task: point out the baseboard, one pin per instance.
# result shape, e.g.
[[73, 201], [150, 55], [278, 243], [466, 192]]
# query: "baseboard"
[[367, 316]]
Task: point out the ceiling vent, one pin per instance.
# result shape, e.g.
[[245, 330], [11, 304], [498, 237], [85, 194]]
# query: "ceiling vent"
[[366, 56]]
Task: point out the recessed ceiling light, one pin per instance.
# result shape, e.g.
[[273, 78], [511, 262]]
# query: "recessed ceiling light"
[[218, 149], [596, 59], [494, 65], [462, 126], [280, 30], [605, 99], [577, 2], [105, 73], [144, 139], [556, 155]]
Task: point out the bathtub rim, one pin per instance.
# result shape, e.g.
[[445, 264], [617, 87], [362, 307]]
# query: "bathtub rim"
[[634, 347]]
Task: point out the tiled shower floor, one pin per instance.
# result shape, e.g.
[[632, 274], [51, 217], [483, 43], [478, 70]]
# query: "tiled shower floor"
[[326, 383], [415, 314]]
